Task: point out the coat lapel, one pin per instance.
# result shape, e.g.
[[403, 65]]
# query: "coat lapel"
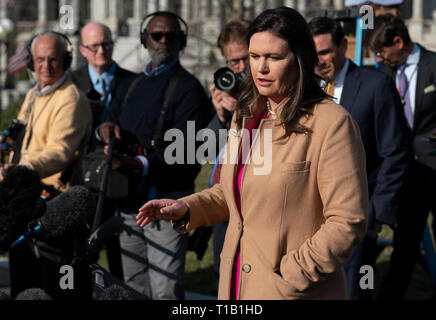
[[421, 81], [352, 83]]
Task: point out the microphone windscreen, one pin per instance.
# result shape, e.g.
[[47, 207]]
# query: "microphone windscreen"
[[20, 203], [68, 211], [117, 292], [33, 294]]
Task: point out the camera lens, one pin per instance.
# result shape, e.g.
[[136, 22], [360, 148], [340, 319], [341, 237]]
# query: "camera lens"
[[224, 79]]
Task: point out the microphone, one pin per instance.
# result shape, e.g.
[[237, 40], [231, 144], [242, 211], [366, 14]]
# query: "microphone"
[[117, 292], [33, 294], [98, 239], [67, 213], [65, 216], [20, 203]]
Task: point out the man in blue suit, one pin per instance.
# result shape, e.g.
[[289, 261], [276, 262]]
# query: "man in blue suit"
[[414, 69], [371, 98]]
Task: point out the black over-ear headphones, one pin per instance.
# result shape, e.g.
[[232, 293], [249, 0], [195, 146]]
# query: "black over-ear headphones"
[[67, 58], [183, 34]]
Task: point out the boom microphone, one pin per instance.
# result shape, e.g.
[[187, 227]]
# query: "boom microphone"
[[65, 217], [99, 238], [67, 212]]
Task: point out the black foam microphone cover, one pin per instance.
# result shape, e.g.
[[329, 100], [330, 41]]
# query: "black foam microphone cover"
[[33, 294], [20, 203], [67, 213]]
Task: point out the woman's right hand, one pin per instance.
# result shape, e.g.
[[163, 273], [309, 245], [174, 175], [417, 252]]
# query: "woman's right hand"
[[161, 209]]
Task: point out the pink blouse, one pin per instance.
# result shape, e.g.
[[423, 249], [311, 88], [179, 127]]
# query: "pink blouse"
[[238, 183]]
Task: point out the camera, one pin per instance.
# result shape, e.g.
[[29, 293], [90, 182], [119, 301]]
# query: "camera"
[[227, 80], [11, 138], [12, 134]]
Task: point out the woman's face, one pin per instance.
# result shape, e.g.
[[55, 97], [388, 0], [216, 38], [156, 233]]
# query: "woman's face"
[[272, 65]]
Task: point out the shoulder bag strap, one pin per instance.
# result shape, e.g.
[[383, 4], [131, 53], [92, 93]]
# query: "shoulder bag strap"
[[172, 84]]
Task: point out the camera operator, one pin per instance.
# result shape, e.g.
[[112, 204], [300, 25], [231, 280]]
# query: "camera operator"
[[234, 48], [56, 120]]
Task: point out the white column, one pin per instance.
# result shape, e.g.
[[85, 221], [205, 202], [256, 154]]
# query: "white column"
[[338, 4], [112, 18], [151, 6], [417, 10], [184, 9], [164, 5], [138, 15], [433, 26], [98, 10], [290, 3], [42, 12], [325, 4], [301, 6], [416, 23], [76, 12]]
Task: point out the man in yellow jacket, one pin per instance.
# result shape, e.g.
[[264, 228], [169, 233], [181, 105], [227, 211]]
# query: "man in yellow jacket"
[[57, 121], [55, 113]]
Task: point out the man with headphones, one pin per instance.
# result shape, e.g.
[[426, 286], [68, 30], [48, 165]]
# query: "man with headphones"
[[57, 120], [163, 97]]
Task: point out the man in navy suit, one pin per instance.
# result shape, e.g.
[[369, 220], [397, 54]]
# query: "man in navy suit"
[[414, 70], [371, 98]]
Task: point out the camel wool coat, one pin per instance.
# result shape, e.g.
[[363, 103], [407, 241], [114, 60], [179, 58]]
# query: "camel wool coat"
[[58, 129], [300, 220]]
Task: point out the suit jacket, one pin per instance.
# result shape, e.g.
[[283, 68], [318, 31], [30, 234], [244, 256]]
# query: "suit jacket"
[[300, 219], [372, 99], [81, 78], [424, 120]]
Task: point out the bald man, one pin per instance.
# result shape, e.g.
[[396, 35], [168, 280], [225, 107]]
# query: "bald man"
[[99, 80], [100, 77]]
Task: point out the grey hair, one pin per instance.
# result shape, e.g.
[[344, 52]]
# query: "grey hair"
[[59, 40]]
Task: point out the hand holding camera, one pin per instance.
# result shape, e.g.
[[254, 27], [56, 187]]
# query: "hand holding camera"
[[223, 102], [108, 130]]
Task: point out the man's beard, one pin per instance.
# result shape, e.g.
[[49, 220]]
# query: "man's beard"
[[159, 58]]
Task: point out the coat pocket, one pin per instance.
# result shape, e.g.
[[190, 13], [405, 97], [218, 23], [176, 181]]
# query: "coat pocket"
[[301, 166]]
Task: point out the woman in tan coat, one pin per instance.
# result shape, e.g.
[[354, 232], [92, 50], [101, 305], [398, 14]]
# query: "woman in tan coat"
[[296, 210]]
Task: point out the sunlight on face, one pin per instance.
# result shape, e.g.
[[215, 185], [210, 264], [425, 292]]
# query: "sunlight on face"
[[272, 64]]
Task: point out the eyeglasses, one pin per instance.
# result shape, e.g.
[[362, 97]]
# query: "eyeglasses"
[[380, 54], [170, 36], [235, 62], [94, 47]]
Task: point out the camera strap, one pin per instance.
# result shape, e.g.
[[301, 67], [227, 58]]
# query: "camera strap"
[[174, 75]]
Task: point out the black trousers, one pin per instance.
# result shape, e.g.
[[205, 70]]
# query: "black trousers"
[[419, 200], [365, 253]]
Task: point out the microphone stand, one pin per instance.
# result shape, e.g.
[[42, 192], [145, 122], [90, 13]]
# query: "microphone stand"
[[103, 187]]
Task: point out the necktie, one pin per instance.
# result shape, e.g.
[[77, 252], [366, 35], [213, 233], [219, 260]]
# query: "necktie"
[[330, 86], [102, 91], [404, 94]]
